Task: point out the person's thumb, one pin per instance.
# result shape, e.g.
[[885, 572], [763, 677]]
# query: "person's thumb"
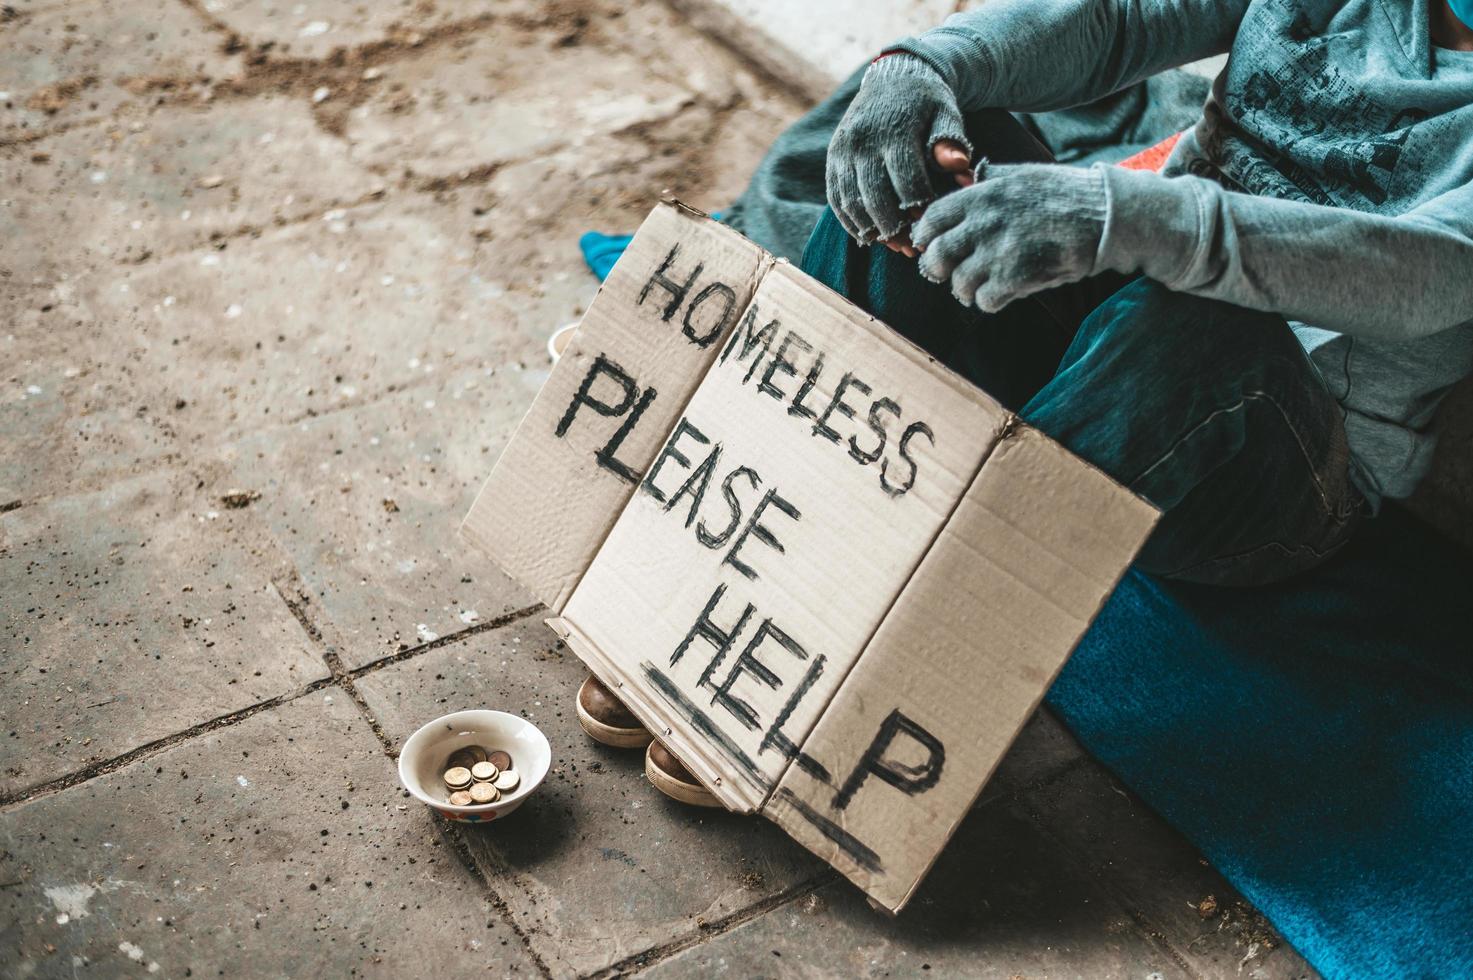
[[952, 157], [948, 141]]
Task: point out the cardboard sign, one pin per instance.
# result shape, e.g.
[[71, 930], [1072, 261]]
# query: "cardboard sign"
[[832, 576], [640, 351]]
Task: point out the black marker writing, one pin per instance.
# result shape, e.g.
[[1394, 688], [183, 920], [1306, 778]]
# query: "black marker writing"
[[750, 337], [909, 779], [677, 290], [841, 419], [748, 663], [726, 301], [911, 431], [697, 482], [768, 635], [631, 404], [756, 529]]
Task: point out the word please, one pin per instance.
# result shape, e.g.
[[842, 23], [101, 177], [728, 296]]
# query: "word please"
[[696, 483]]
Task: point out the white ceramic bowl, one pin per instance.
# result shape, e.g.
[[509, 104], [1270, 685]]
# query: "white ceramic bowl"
[[422, 761], [560, 339]]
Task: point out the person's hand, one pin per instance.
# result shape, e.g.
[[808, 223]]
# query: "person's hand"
[[1020, 228], [877, 160], [951, 158]]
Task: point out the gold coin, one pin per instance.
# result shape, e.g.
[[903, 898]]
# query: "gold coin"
[[461, 798], [457, 777], [484, 793], [484, 772], [466, 757], [507, 781], [500, 760]]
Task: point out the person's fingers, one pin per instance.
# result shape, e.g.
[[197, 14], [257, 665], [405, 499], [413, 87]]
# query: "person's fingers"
[[940, 217], [970, 276], [992, 297], [843, 192], [881, 206], [901, 243], [952, 157], [949, 130], [831, 192], [964, 180], [942, 255], [907, 166]]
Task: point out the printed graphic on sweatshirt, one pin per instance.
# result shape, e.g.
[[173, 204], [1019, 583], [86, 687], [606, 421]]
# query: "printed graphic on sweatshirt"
[[1307, 129]]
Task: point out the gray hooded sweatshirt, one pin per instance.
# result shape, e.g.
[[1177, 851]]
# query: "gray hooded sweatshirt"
[[1330, 179]]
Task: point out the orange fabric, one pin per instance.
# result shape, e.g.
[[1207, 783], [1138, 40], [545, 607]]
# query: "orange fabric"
[[1152, 158]]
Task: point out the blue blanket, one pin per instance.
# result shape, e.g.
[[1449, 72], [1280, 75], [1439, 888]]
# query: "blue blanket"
[[1314, 740]]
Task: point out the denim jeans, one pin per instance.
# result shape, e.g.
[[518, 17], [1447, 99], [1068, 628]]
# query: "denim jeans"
[[1210, 411]]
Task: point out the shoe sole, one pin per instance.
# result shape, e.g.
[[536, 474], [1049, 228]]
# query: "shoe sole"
[[610, 735], [693, 794]]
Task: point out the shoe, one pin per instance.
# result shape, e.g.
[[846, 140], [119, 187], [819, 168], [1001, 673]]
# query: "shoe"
[[606, 720], [668, 776]]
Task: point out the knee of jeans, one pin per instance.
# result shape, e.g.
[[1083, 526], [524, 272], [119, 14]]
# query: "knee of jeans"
[[1174, 551], [1158, 324], [825, 256]]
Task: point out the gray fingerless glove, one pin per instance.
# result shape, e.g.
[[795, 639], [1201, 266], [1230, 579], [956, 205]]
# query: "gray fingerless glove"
[[879, 159], [1020, 229]]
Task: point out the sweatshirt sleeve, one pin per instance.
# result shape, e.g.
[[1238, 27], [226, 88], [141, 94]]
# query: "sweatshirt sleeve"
[[1041, 55], [1366, 275]]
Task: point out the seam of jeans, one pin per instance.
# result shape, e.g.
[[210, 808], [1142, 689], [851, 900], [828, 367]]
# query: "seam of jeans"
[[1318, 555], [1330, 510]]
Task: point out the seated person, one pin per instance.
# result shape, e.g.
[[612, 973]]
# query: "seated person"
[[1254, 339]]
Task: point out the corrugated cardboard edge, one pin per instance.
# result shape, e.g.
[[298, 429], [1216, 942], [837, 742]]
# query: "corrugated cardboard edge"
[[1149, 516], [933, 602]]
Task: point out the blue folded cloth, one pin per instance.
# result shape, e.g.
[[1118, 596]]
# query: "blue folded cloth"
[[1314, 740], [601, 251]]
